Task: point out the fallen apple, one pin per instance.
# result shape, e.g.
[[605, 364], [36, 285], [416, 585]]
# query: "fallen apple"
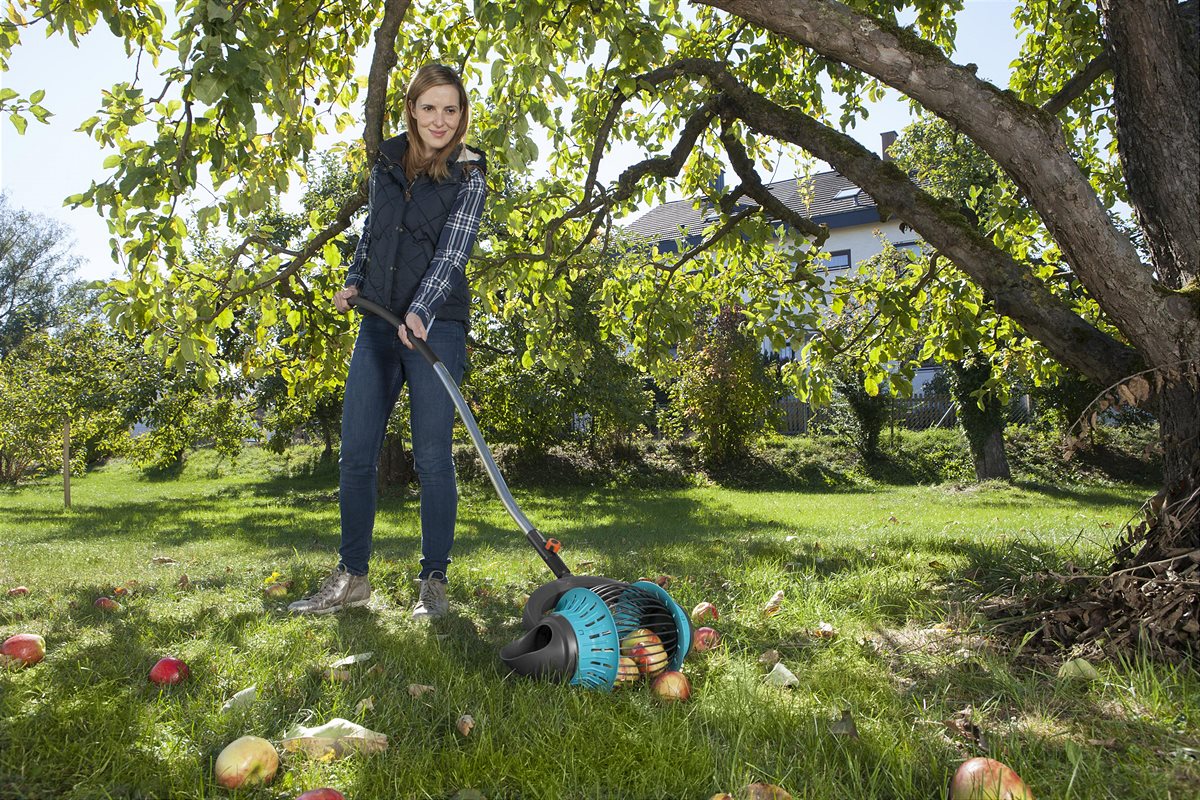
[[276, 590], [704, 612], [169, 671], [322, 794], [764, 791], [247, 761], [23, 649], [627, 671], [987, 779], [671, 685], [705, 639], [721, 796], [107, 604], [18, 591]]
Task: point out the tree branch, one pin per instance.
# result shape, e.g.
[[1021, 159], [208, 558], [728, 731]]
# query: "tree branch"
[[753, 186], [1018, 294], [382, 62], [1079, 84]]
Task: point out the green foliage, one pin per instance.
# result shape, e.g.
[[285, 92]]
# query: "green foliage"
[[521, 399], [83, 375], [184, 414], [724, 393], [871, 411]]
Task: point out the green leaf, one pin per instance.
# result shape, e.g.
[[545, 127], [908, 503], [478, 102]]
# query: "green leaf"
[[36, 96], [18, 122]]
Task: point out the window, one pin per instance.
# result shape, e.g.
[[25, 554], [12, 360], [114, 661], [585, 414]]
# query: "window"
[[838, 260], [912, 247], [846, 194]]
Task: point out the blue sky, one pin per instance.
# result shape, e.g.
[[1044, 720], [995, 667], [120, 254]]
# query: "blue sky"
[[51, 162]]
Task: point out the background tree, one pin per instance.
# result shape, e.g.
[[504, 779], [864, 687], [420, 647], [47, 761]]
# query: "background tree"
[[723, 393], [35, 267]]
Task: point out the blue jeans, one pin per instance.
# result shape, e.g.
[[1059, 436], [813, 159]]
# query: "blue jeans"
[[380, 367]]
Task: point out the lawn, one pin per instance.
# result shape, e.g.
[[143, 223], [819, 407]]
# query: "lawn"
[[893, 570]]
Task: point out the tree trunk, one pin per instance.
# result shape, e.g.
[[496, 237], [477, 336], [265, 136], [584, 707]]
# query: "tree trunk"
[[67, 463], [990, 462], [1179, 426], [984, 426], [395, 464]]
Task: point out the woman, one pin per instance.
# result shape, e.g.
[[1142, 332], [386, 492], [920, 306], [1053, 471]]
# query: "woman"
[[427, 191]]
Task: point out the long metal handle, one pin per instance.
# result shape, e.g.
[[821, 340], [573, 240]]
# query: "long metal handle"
[[547, 550]]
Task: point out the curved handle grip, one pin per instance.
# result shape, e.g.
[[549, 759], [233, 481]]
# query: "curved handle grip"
[[385, 314]]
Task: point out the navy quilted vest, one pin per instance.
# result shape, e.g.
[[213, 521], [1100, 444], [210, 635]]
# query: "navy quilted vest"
[[406, 223]]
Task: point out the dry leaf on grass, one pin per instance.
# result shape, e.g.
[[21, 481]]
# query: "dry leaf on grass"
[[774, 604], [419, 690], [824, 631], [334, 739], [163, 560], [339, 675], [962, 724], [465, 724], [366, 704], [769, 658], [241, 699]]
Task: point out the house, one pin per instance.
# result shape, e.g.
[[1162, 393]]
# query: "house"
[[827, 198]]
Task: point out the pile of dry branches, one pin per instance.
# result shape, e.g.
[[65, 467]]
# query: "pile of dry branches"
[[1150, 600]]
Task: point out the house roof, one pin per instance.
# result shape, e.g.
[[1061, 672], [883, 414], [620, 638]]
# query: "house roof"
[[827, 198]]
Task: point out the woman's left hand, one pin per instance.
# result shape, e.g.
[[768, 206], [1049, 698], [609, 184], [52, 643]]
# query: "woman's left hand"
[[414, 324]]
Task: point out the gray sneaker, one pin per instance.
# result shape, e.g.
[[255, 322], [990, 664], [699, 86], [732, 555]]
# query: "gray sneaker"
[[340, 590], [432, 601]]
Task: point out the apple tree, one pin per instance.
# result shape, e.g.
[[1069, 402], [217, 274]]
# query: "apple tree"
[[228, 101]]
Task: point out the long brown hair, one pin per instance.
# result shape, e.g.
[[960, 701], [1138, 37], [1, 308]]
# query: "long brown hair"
[[419, 158]]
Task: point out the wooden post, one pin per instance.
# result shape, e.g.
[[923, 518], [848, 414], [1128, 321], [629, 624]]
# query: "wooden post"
[[67, 463]]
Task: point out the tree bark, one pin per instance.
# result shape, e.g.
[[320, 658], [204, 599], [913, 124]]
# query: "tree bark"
[[1179, 425], [1156, 77], [991, 462], [395, 464]]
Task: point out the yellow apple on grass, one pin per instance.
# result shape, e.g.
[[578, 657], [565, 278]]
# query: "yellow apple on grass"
[[247, 761]]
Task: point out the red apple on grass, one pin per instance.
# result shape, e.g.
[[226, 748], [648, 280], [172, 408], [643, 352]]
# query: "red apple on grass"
[[18, 591], [169, 671], [247, 761], [322, 794], [705, 639], [107, 604], [23, 650], [703, 612], [671, 685], [987, 779], [646, 650]]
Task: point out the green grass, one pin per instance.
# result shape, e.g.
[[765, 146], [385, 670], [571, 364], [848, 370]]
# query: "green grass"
[[894, 570]]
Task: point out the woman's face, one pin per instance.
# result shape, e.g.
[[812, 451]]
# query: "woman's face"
[[438, 114]]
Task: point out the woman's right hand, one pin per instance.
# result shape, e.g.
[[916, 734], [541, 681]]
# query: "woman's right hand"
[[341, 299]]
